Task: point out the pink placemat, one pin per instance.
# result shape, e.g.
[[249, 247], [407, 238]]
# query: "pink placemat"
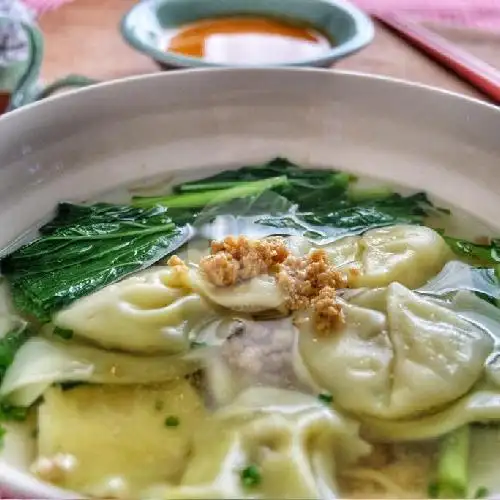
[[483, 14]]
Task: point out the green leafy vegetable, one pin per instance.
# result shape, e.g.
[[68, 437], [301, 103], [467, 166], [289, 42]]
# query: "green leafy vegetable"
[[12, 413], [453, 463], [319, 203], [478, 254], [211, 197], [2, 436], [10, 344], [84, 249], [433, 490], [343, 216], [298, 178], [305, 187], [392, 209], [251, 476]]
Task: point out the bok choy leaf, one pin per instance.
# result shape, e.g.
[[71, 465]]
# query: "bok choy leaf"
[[84, 249], [10, 343], [488, 255], [319, 203]]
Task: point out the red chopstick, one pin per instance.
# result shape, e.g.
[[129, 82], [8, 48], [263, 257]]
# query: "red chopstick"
[[473, 70]]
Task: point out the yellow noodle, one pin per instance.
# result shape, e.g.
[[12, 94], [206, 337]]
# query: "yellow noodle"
[[377, 477]]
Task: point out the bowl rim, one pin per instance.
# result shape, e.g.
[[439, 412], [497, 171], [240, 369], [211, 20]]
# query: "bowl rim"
[[341, 73], [363, 25]]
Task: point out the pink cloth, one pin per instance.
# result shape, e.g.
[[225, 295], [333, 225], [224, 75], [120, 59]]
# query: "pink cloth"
[[483, 14]]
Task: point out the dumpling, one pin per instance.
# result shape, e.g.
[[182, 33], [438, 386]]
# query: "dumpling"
[[269, 443], [404, 253], [481, 405], [151, 312], [412, 358], [39, 363], [258, 294], [113, 442]]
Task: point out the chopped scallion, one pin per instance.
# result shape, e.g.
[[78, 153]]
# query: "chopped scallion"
[[2, 435], [452, 475], [433, 490], [250, 476], [172, 421], [325, 397], [481, 492]]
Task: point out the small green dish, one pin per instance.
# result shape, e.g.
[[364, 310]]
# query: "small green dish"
[[143, 27]]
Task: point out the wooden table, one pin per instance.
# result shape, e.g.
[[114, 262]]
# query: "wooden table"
[[82, 37]]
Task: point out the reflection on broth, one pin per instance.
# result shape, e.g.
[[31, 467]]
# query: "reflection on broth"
[[306, 335], [247, 40]]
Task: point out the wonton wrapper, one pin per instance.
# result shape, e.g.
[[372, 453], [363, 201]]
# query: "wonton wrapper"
[[408, 254], [258, 294], [41, 362], [117, 437], [297, 443], [482, 404], [153, 311], [411, 359]]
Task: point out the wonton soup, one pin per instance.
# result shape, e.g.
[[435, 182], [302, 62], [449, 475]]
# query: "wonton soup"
[[267, 332]]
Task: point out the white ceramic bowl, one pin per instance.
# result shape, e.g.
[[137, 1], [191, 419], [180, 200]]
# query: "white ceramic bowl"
[[76, 145]]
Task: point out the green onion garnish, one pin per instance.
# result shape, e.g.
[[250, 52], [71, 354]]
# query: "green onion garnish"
[[2, 435], [172, 421], [325, 397], [250, 476], [481, 492]]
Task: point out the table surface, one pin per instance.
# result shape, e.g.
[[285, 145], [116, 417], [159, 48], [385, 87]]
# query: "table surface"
[[82, 37]]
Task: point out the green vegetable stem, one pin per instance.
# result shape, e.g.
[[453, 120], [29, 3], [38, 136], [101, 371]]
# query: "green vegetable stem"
[[452, 477]]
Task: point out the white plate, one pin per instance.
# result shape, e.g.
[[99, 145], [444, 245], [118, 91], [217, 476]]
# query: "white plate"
[[76, 145]]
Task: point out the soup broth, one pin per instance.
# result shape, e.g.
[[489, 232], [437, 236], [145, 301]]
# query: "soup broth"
[[270, 332], [247, 40]]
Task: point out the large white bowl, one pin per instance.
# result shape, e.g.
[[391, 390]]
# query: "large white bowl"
[[75, 146]]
